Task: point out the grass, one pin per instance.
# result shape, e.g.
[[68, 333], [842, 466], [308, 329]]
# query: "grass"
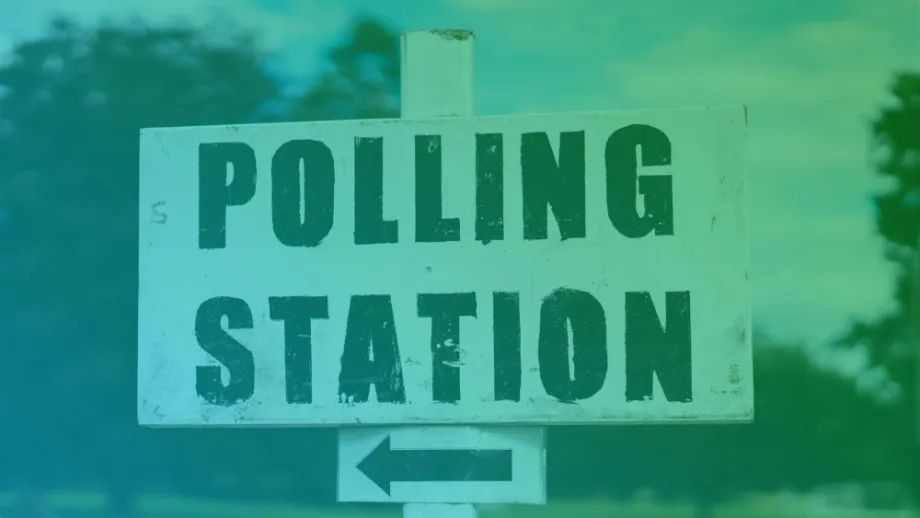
[[89, 506]]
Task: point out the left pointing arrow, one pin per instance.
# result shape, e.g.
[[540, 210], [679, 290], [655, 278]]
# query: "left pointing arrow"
[[385, 465]]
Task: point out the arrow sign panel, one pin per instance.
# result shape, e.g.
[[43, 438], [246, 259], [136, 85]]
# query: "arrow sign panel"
[[385, 465], [461, 464]]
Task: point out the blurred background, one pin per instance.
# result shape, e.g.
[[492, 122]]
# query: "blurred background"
[[833, 89]]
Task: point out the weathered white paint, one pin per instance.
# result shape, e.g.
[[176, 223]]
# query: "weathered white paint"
[[707, 255], [437, 71], [528, 485]]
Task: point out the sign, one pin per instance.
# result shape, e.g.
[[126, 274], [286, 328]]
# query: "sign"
[[537, 269], [443, 464], [385, 465]]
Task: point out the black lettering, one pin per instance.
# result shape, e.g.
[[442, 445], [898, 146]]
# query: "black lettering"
[[430, 227], [445, 310], [506, 327], [297, 313], [490, 201], [215, 194], [370, 227], [371, 325], [214, 340], [652, 348], [546, 184], [589, 345], [623, 181], [316, 191]]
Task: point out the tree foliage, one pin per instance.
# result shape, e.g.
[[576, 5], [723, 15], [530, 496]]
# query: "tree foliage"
[[812, 427], [894, 339], [362, 81], [896, 132], [73, 102], [72, 106]]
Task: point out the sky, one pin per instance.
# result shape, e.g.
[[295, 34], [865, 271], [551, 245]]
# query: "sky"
[[812, 73]]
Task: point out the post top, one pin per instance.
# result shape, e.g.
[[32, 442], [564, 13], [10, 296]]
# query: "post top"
[[447, 34]]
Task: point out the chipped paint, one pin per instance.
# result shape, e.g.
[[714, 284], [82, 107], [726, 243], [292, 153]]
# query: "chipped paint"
[[734, 376], [741, 337], [453, 34]]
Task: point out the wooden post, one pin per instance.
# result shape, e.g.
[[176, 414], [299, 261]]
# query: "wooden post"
[[437, 74], [437, 81]]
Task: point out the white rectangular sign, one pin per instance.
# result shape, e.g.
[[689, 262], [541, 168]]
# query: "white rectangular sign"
[[542, 269], [450, 464]]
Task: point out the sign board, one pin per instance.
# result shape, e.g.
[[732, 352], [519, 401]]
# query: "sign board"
[[537, 269], [454, 464]]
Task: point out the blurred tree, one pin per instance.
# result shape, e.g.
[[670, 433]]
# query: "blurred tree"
[[812, 427], [896, 131], [72, 103], [363, 78], [894, 339]]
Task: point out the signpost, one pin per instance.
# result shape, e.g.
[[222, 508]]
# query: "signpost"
[[441, 464], [418, 282], [386, 465], [437, 75]]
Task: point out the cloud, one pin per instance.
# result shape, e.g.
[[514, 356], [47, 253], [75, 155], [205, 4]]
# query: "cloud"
[[815, 281], [813, 64], [504, 7], [547, 27]]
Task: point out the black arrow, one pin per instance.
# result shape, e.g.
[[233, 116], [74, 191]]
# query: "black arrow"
[[384, 465]]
